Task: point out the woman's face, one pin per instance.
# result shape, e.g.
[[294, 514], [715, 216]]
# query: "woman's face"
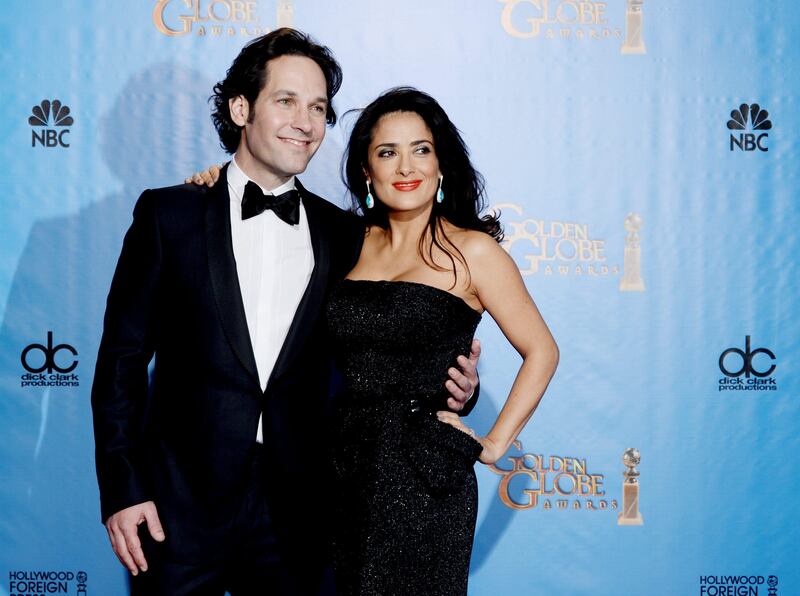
[[403, 169]]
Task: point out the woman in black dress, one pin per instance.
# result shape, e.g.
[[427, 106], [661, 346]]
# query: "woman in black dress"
[[429, 266]]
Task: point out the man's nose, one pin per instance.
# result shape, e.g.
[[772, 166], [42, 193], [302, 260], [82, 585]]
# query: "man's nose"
[[302, 120]]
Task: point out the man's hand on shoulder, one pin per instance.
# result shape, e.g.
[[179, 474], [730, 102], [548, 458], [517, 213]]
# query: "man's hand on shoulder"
[[206, 177], [462, 383], [123, 532]]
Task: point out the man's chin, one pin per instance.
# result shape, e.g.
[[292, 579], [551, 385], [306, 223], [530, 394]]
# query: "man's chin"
[[298, 170], [300, 166], [296, 163]]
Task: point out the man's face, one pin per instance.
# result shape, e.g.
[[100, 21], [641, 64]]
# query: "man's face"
[[288, 126]]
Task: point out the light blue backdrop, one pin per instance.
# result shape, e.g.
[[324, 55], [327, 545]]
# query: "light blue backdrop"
[[567, 129]]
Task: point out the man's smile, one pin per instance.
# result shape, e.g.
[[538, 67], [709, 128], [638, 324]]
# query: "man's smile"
[[295, 142]]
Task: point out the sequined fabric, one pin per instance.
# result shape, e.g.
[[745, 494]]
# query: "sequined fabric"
[[407, 495]]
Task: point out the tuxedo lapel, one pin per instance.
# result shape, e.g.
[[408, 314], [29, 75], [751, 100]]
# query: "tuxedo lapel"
[[224, 279], [311, 303]]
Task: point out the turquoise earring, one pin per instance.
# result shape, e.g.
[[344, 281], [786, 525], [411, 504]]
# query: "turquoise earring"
[[440, 193], [369, 200]]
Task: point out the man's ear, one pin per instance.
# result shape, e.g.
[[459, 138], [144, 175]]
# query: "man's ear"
[[240, 109]]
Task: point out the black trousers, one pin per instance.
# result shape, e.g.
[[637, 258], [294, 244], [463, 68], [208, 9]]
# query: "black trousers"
[[254, 566]]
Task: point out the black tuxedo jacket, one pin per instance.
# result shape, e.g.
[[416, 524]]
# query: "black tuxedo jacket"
[[181, 437]]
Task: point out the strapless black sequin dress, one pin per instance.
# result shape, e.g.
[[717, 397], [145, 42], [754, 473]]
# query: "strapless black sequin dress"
[[407, 494]]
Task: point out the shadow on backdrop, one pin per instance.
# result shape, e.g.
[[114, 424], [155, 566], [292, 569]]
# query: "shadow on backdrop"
[[157, 131], [498, 517]]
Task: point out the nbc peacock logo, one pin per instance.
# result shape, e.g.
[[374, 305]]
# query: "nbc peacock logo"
[[749, 118], [50, 121]]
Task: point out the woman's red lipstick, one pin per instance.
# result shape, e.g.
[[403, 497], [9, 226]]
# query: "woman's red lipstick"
[[407, 186]]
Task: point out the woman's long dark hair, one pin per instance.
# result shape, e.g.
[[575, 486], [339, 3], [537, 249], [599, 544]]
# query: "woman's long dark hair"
[[462, 184]]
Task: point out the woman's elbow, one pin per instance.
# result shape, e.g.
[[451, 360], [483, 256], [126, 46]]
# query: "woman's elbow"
[[544, 356], [553, 355]]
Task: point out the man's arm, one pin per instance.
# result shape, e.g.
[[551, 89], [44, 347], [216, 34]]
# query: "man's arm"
[[120, 388]]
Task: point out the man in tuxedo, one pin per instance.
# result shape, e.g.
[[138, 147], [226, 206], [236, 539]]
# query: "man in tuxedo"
[[224, 452]]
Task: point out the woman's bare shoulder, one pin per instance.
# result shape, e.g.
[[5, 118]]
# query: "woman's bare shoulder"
[[473, 244]]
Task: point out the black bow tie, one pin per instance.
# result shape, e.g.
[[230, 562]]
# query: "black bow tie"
[[285, 205]]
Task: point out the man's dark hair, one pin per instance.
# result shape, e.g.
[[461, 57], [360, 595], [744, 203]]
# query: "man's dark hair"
[[248, 75]]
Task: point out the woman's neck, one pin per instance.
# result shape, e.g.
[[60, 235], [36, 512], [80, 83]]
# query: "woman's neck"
[[405, 229]]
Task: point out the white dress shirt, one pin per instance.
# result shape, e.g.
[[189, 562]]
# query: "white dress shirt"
[[274, 261]]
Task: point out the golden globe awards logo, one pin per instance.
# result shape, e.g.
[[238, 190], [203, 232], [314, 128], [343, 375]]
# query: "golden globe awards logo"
[[558, 19], [554, 247], [575, 19], [554, 482], [216, 18], [569, 249]]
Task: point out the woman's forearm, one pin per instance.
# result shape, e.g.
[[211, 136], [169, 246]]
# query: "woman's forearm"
[[529, 386]]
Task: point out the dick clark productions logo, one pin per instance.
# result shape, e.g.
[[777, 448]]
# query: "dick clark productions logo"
[[49, 365], [735, 363], [749, 118], [50, 121]]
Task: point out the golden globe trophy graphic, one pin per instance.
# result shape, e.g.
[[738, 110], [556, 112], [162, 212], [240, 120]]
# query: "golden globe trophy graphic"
[[632, 271], [634, 44], [630, 516], [285, 13]]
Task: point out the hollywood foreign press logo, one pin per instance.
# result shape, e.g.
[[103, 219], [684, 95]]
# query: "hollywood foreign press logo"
[[49, 365], [724, 585], [50, 121], [48, 582], [749, 118], [736, 363]]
